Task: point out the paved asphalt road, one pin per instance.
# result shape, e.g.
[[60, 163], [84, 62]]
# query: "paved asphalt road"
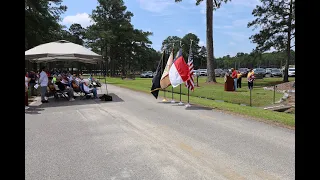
[[138, 137]]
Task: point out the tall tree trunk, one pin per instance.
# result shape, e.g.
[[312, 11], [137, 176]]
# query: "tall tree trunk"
[[285, 77], [210, 61]]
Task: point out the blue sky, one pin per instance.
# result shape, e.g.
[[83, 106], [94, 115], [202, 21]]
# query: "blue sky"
[[166, 18]]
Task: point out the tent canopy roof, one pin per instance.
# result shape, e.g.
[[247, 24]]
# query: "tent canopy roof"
[[61, 50]]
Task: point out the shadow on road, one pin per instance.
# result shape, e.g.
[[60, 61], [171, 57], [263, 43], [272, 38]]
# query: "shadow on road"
[[165, 102], [63, 102], [33, 110], [194, 107]]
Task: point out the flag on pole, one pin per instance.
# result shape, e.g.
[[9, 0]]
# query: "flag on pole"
[[179, 71], [164, 81], [190, 83], [156, 79]]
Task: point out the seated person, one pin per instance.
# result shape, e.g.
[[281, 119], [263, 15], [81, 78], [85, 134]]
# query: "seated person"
[[54, 79], [51, 85], [65, 81], [89, 90], [75, 86], [78, 80], [63, 87]]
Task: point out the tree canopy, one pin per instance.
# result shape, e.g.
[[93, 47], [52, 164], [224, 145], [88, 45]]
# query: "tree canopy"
[[276, 20], [126, 49]]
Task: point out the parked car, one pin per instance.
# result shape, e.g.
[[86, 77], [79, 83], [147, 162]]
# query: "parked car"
[[218, 72], [222, 72], [259, 73], [244, 71], [203, 72], [291, 72], [275, 72], [196, 72], [268, 70], [146, 74]]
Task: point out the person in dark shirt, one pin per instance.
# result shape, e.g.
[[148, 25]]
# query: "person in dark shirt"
[[32, 82], [63, 87]]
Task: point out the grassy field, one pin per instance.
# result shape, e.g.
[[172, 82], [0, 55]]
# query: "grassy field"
[[260, 97]]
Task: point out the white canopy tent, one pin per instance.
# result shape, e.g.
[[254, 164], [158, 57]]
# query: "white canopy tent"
[[61, 50]]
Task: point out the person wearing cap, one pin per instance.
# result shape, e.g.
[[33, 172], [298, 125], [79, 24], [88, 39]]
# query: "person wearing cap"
[[234, 77]]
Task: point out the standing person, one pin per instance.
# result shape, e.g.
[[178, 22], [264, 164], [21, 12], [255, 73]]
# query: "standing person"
[[43, 80], [239, 76], [234, 77], [32, 82], [250, 78], [26, 84]]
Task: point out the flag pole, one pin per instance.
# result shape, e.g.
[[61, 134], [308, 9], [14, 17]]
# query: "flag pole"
[[188, 104], [164, 91], [172, 100], [180, 103]]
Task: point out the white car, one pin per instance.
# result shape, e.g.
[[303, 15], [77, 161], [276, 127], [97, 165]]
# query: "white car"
[[203, 72], [291, 72], [196, 73]]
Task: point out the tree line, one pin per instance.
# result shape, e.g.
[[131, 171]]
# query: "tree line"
[[126, 49], [112, 35]]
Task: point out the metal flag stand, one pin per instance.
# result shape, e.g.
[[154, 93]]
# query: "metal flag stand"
[[164, 96], [188, 104], [172, 100], [180, 103]]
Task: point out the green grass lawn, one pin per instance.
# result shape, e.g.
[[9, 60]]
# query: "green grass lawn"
[[260, 97], [231, 100]]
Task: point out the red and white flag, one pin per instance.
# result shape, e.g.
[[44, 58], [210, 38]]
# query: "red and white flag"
[[189, 83], [179, 71]]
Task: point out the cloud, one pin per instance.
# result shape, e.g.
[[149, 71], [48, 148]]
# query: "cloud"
[[247, 3], [237, 36], [222, 27], [179, 30], [80, 18], [202, 6], [157, 6], [241, 22], [203, 11], [201, 43], [191, 31], [232, 43]]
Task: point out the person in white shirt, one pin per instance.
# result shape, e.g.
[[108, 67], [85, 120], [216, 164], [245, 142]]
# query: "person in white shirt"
[[89, 90], [43, 80], [26, 84]]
